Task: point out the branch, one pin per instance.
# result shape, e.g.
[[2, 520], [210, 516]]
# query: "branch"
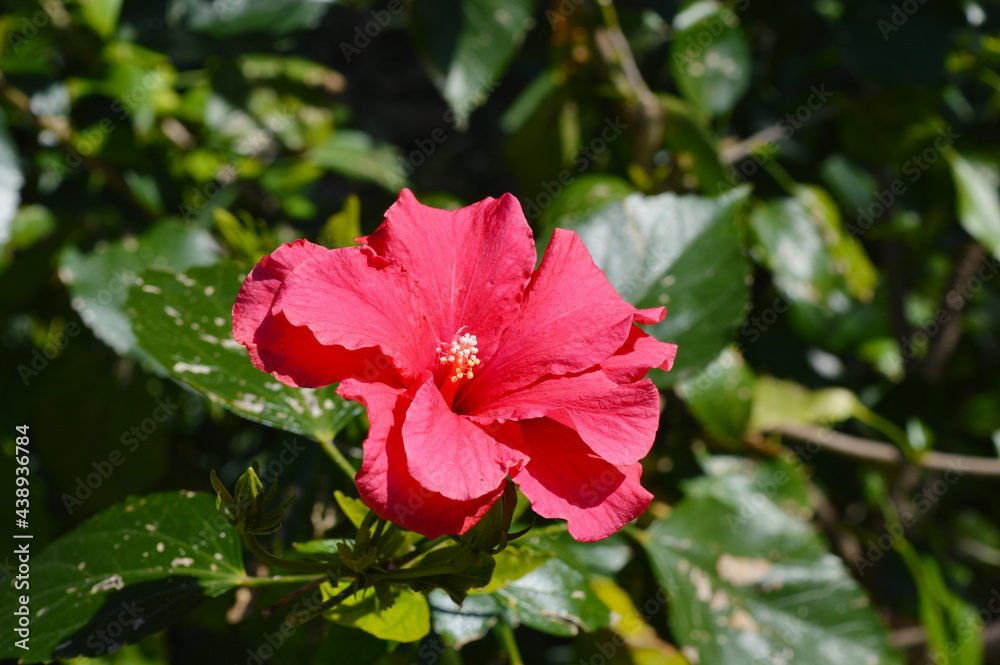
[[877, 452], [943, 344], [642, 104]]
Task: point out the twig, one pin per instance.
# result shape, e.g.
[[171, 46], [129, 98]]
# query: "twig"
[[889, 455], [943, 344], [641, 104], [735, 152]]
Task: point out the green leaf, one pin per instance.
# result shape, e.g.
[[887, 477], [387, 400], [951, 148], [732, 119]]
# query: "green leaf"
[[102, 15], [748, 579], [801, 240], [710, 59], [584, 195], [978, 200], [184, 321], [460, 624], [357, 155], [126, 573], [99, 282], [229, 18], [604, 558], [777, 402], [684, 252], [695, 147], [342, 228], [721, 396], [355, 509], [512, 564], [11, 181], [467, 45], [555, 598], [407, 620]]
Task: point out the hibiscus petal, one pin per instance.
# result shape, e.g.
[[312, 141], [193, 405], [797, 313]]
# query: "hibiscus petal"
[[448, 453], [292, 354], [565, 479], [618, 422], [384, 482], [637, 355], [345, 299], [571, 320], [470, 266]]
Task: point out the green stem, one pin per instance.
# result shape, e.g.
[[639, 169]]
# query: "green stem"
[[265, 557], [294, 620], [442, 568], [506, 636], [276, 579], [423, 547], [338, 457]]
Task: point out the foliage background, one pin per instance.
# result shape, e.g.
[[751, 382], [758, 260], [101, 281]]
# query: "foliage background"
[[849, 284]]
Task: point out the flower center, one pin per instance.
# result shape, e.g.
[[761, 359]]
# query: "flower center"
[[459, 357]]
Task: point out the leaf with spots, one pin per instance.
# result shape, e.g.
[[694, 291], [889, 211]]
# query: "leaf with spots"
[[184, 320], [98, 282], [123, 574], [750, 581]]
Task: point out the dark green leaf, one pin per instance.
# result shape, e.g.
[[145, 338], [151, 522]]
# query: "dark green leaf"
[[680, 251], [555, 598], [184, 321], [126, 573], [750, 581], [695, 147], [229, 18], [721, 396], [467, 45], [460, 624]]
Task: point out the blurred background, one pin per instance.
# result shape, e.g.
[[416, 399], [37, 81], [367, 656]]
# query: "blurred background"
[[810, 187]]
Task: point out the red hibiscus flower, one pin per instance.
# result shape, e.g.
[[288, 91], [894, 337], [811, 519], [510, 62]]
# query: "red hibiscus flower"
[[474, 366]]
